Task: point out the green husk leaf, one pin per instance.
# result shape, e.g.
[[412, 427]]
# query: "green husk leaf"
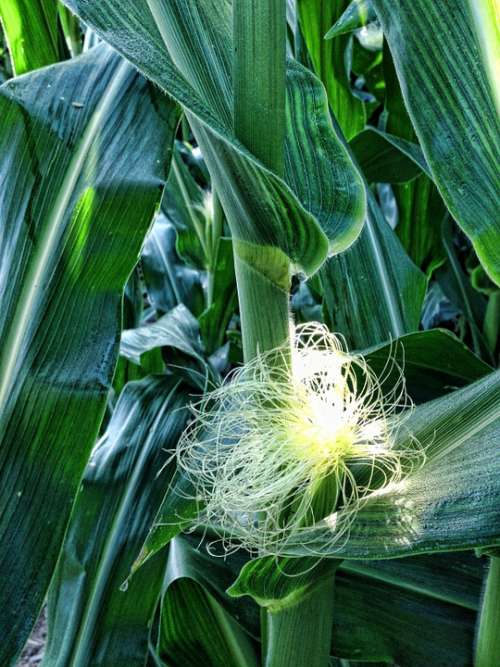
[[451, 502]]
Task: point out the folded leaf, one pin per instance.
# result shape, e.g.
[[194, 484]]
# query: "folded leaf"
[[195, 628], [262, 209]]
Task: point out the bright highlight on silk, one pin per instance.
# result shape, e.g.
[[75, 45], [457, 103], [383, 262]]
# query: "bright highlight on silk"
[[279, 447]]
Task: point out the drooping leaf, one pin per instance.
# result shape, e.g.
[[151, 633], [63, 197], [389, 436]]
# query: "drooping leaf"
[[32, 33], [83, 149], [173, 342], [260, 207], [447, 93], [177, 330], [122, 487]]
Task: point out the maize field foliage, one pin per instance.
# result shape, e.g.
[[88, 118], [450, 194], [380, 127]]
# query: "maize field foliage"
[[250, 332]]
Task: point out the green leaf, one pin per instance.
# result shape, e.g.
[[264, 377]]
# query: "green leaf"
[[177, 330], [280, 583], [378, 621], [446, 91], [79, 185], [195, 629], [433, 363], [372, 292], [261, 208], [385, 158], [451, 502], [357, 14], [32, 33], [419, 204], [169, 281], [122, 487], [329, 61]]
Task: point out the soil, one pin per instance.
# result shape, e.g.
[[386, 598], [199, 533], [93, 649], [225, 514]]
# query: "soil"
[[33, 651]]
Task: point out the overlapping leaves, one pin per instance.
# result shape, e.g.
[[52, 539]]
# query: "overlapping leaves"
[[186, 48]]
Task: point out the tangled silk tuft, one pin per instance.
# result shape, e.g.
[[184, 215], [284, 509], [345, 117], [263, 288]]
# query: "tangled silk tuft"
[[280, 446]]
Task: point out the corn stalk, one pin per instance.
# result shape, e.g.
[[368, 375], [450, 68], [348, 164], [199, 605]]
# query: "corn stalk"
[[259, 119]]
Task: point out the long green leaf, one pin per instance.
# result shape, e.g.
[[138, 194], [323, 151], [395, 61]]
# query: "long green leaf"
[[433, 362], [420, 208], [32, 33], [455, 578], [446, 90], [122, 487], [82, 149]]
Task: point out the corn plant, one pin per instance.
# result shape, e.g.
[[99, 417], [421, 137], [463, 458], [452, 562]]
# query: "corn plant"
[[250, 284]]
